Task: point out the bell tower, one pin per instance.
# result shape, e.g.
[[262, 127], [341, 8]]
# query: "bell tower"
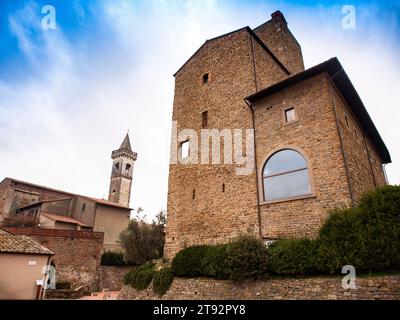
[[121, 173]]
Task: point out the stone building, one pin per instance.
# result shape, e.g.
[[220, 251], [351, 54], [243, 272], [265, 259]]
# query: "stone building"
[[31, 205], [315, 146]]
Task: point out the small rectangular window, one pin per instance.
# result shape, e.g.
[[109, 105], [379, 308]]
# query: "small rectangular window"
[[205, 78], [290, 115], [185, 149], [83, 207], [204, 119]]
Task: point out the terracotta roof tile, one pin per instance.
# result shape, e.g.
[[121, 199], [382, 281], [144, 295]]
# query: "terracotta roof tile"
[[10, 243], [65, 219]]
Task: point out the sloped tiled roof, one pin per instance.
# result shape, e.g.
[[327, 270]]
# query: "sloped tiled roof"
[[10, 243], [100, 201], [56, 217]]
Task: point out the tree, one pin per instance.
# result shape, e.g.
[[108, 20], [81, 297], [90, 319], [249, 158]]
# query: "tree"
[[144, 241]]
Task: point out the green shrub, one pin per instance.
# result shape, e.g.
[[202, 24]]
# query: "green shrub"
[[162, 281], [380, 229], [246, 258], [188, 262], [367, 237], [293, 257], [214, 262], [339, 240], [112, 258], [140, 277]]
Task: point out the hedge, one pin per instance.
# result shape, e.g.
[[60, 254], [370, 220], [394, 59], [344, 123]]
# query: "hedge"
[[246, 258], [214, 262], [293, 257], [162, 281], [366, 237], [140, 277], [112, 258], [188, 262]]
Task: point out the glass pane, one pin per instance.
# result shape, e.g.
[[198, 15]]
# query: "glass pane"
[[284, 161], [185, 149], [287, 185], [290, 115]]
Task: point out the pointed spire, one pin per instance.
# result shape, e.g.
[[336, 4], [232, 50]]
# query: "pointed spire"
[[126, 144], [125, 149]]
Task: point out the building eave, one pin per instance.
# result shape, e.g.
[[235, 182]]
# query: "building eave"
[[341, 80]]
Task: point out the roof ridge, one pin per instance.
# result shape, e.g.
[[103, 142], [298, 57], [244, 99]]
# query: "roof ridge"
[[253, 34]]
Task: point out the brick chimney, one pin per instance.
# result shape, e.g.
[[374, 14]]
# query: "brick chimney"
[[279, 17]]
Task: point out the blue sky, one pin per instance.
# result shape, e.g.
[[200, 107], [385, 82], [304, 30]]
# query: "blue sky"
[[68, 96]]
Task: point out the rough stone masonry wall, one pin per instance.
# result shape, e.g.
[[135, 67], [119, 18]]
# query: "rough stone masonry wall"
[[364, 175], [277, 36], [111, 277], [372, 288], [314, 134], [76, 253], [216, 214]]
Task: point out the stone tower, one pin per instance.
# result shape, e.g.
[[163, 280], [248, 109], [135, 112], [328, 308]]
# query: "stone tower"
[[121, 174]]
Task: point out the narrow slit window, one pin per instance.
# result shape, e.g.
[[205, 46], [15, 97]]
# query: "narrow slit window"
[[223, 187], [185, 150], [204, 119], [194, 194], [127, 168], [290, 115], [83, 207], [205, 78]]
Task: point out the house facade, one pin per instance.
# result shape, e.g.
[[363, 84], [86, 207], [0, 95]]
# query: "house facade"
[[23, 263], [31, 205], [315, 148]]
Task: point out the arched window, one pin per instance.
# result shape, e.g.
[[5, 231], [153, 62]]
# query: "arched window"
[[127, 168], [286, 175]]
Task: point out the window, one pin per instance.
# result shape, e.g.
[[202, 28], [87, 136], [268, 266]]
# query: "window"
[[223, 187], [204, 119], [205, 78], [83, 207], [286, 175], [127, 168], [290, 115], [185, 150], [194, 194]]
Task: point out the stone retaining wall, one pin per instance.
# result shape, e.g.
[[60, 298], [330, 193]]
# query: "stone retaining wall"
[[65, 294], [322, 288], [111, 278]]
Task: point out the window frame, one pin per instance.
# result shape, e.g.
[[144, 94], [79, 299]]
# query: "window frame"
[[296, 115], [181, 150], [311, 194]]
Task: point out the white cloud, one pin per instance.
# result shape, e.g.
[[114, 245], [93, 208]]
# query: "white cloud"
[[59, 125]]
